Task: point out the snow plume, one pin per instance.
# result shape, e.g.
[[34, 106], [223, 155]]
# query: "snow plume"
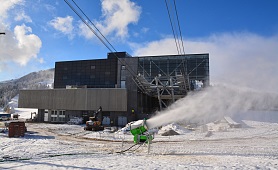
[[244, 59], [213, 103], [241, 60]]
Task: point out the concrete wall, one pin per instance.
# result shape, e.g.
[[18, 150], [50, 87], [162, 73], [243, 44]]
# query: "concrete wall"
[[74, 99]]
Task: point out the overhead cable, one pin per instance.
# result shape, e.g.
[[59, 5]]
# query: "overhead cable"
[[88, 25], [174, 34], [94, 25], [179, 26], [111, 48]]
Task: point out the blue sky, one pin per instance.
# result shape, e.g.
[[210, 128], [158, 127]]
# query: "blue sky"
[[241, 36]]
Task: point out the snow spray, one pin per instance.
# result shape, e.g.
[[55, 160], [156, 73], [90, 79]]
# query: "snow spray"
[[213, 103]]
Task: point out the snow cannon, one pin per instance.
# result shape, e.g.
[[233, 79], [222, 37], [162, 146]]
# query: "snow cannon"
[[140, 132]]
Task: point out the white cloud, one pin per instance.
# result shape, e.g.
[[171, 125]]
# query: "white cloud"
[[85, 31], [117, 15], [145, 30], [20, 46], [50, 8], [64, 25], [40, 60], [21, 16], [6, 5], [239, 58], [155, 47]]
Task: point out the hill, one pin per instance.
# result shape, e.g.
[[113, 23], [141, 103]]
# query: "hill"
[[35, 80]]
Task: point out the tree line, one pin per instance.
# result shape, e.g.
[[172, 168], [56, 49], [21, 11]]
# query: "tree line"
[[36, 80]]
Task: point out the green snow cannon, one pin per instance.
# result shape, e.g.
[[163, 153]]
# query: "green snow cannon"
[[139, 130]]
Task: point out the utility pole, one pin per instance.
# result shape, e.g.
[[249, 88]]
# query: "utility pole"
[[2, 33]]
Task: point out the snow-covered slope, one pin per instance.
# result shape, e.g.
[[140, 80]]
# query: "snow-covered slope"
[[36, 80]]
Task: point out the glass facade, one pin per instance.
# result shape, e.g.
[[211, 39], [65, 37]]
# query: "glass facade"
[[194, 66], [100, 73]]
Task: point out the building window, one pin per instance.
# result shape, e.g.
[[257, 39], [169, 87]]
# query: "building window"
[[93, 67], [122, 84], [58, 116], [123, 72], [62, 115], [54, 116]]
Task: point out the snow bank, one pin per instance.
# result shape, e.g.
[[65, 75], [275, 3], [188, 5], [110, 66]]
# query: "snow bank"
[[24, 113], [175, 127]]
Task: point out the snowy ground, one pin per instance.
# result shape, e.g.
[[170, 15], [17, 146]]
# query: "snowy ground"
[[61, 146]]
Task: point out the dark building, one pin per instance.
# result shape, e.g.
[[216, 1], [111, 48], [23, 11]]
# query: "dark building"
[[127, 88]]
